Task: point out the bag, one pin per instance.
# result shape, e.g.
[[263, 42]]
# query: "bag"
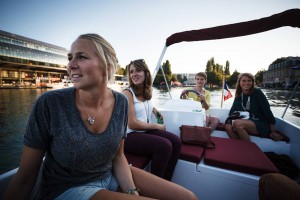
[[196, 135], [284, 164], [239, 115]]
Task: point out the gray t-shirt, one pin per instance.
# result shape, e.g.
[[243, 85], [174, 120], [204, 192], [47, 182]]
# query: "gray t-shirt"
[[74, 155]]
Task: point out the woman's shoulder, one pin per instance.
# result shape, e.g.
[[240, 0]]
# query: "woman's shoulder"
[[257, 91], [120, 97]]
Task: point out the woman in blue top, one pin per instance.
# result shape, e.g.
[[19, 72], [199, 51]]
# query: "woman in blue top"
[[80, 131], [251, 99], [145, 137]]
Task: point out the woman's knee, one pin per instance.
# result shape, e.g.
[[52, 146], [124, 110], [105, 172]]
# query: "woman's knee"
[[214, 120], [228, 127], [163, 145]]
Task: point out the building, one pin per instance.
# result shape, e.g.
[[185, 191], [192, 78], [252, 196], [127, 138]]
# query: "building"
[[281, 74], [190, 78], [25, 62]]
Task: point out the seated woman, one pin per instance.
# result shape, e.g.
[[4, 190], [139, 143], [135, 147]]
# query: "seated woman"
[[145, 137], [204, 98], [251, 99]]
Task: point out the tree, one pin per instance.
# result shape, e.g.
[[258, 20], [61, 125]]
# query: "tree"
[[167, 71], [208, 67], [259, 77], [233, 78], [227, 70], [179, 78], [174, 78]]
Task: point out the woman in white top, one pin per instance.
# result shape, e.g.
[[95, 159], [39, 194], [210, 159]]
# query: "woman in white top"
[[145, 137]]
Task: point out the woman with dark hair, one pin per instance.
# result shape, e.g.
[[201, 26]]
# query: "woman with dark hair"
[[145, 137], [251, 99]]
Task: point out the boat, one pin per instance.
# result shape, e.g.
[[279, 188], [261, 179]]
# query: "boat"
[[233, 168], [118, 83], [64, 83]]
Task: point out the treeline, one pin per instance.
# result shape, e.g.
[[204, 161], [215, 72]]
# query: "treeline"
[[214, 73], [213, 70]]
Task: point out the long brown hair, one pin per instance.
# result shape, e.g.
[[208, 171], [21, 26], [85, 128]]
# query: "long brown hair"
[[140, 64], [238, 90]]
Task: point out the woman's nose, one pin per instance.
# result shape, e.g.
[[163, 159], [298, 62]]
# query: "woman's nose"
[[72, 64]]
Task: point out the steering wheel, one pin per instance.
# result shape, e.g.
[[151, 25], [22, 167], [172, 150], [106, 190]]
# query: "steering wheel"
[[194, 91]]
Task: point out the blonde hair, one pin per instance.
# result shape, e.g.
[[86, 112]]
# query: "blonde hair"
[[140, 64], [238, 90], [105, 52]]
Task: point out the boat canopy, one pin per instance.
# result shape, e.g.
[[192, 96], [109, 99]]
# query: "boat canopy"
[[286, 18]]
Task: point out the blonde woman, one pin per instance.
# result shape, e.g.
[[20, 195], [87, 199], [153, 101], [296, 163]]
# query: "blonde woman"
[[81, 132]]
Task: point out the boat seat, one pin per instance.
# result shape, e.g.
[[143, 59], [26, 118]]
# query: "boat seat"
[[137, 161], [239, 155], [192, 153], [284, 137], [221, 127]]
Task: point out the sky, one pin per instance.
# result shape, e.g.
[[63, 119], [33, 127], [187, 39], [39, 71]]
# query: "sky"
[[139, 29]]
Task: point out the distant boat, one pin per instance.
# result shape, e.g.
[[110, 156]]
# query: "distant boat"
[[119, 83], [65, 83]]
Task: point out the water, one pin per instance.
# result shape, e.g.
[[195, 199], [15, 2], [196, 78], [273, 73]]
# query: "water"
[[15, 105]]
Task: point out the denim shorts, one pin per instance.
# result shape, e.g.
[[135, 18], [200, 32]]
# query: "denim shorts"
[[86, 191]]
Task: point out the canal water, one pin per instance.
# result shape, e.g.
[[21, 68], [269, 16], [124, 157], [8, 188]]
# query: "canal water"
[[15, 105]]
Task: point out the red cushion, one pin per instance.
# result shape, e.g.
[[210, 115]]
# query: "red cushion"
[[192, 153], [238, 155], [137, 161]]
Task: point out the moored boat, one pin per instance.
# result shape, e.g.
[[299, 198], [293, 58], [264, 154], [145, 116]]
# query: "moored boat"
[[118, 83], [64, 83], [225, 172]]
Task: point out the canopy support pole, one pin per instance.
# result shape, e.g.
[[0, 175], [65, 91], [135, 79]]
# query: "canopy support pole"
[[289, 101], [223, 83], [158, 66]]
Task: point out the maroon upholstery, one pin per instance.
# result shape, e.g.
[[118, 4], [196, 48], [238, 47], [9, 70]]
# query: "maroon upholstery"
[[192, 153], [238, 155], [137, 161]]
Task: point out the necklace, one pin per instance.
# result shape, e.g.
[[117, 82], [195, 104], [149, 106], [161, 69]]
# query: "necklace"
[[147, 110], [247, 103], [90, 119]]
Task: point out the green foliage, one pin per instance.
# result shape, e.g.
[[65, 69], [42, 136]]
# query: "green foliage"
[[174, 77], [179, 78], [214, 73], [168, 74], [231, 81], [259, 77], [227, 70]]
